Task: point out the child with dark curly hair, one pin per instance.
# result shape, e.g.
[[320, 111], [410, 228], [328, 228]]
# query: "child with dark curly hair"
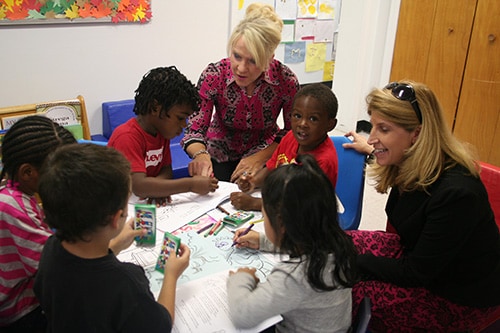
[[164, 100]]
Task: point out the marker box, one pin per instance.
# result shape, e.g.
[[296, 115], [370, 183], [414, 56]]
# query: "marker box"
[[145, 218], [169, 242], [237, 218]]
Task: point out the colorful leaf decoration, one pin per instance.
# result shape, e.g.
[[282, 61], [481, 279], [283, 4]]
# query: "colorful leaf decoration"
[[28, 11]]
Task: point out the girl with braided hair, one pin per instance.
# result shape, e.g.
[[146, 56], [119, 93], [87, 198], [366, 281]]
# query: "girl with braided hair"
[[22, 230]]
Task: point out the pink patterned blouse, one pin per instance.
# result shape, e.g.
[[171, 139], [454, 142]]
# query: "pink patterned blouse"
[[240, 125]]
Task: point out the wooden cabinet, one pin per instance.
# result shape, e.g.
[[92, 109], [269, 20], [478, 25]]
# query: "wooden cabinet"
[[453, 46]]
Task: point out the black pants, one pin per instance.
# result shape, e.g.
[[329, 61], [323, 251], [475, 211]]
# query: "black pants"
[[224, 170]]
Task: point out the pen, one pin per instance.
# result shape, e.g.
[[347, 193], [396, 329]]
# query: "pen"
[[208, 226], [244, 233], [219, 207]]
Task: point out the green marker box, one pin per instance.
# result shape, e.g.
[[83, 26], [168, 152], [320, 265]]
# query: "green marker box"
[[145, 218], [169, 242]]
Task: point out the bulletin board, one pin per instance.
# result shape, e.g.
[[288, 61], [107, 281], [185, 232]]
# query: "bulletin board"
[[309, 36], [74, 11]]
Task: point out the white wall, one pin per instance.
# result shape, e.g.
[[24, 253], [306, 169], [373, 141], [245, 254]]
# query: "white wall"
[[105, 62], [364, 56]]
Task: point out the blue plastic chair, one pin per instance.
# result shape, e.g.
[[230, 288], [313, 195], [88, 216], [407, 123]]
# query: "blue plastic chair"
[[116, 113], [350, 183], [100, 143]]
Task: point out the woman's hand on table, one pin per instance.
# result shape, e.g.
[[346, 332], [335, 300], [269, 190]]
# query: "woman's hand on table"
[[248, 166], [201, 165], [250, 240], [245, 182]]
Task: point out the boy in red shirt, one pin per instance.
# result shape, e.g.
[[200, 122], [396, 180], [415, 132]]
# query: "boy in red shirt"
[[314, 114]]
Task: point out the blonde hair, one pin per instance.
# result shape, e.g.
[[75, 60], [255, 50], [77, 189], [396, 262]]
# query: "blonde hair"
[[435, 149], [261, 28]]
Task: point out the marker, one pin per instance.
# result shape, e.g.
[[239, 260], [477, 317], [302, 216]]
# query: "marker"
[[215, 227], [208, 226], [219, 229], [219, 207], [244, 233], [256, 221]]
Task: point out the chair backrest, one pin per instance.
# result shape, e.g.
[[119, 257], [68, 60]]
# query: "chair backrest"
[[115, 113], [490, 175], [360, 323], [71, 114], [350, 183]]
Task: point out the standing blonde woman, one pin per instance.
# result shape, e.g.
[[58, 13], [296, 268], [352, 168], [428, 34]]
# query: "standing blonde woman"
[[439, 271], [236, 131]]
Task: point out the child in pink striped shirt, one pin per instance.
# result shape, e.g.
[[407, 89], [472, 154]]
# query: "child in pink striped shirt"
[[22, 230]]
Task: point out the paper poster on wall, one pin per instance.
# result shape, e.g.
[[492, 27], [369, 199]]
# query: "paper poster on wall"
[[304, 29], [295, 52], [81, 11], [315, 57], [323, 31], [286, 9], [326, 9], [305, 15], [328, 70], [307, 8], [288, 32]]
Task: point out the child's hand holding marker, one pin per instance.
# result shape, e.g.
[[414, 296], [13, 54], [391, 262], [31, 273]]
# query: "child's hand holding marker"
[[247, 237]]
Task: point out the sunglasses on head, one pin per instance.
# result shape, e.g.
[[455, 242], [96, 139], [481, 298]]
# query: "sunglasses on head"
[[405, 92]]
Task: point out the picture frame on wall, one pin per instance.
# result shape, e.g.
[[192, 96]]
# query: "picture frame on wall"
[[74, 11]]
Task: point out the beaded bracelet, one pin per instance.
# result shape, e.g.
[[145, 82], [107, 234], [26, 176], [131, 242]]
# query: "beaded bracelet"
[[199, 152]]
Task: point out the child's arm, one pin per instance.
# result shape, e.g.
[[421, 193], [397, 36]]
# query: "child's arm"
[[125, 237], [173, 269], [244, 201], [155, 187]]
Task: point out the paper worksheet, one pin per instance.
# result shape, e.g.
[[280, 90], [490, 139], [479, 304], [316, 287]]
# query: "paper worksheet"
[[201, 306], [186, 207]]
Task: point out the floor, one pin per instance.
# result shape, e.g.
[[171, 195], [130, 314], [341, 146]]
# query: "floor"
[[373, 215]]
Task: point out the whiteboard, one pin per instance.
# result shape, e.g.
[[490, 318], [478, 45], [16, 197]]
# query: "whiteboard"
[[308, 37]]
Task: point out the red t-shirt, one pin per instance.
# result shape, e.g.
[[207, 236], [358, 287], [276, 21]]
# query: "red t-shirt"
[[325, 155], [146, 153]]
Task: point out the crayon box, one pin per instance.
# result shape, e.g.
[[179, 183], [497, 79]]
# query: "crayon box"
[[145, 218], [169, 242], [237, 218]]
